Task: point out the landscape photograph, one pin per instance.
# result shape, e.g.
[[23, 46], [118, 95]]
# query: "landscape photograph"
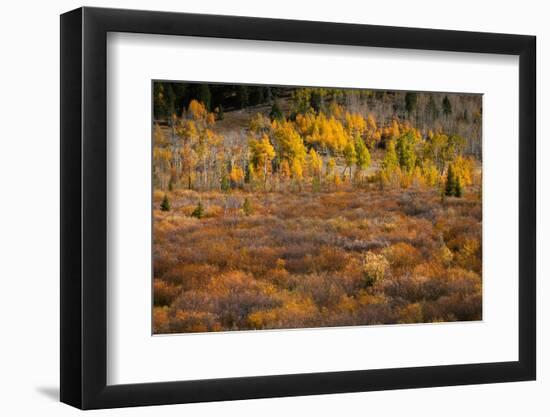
[[287, 207]]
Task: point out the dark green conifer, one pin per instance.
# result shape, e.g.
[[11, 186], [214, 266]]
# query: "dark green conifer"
[[199, 211], [165, 204]]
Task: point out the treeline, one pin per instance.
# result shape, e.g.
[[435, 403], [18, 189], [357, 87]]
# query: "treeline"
[[459, 114], [316, 142], [173, 97]]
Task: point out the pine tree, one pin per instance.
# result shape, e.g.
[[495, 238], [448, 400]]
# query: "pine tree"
[[454, 184], [276, 113], [243, 96], [447, 108], [170, 98], [165, 204], [315, 100], [205, 96], [199, 211], [431, 109], [410, 102], [458, 187], [256, 95], [450, 182]]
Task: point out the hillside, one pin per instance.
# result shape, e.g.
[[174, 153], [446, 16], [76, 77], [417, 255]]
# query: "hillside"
[[295, 207]]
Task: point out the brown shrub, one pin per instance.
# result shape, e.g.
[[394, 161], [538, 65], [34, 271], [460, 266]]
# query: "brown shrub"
[[164, 293], [297, 312], [414, 205], [278, 276], [402, 255], [193, 321], [190, 276], [160, 320], [324, 289], [230, 297], [454, 308], [434, 284], [411, 313], [331, 259], [300, 260]]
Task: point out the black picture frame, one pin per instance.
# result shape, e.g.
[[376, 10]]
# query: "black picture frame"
[[84, 207]]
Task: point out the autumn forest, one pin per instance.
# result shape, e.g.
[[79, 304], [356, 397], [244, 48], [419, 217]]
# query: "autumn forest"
[[294, 207]]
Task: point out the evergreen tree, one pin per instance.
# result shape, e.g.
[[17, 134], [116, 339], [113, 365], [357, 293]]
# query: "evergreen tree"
[[446, 105], [243, 96], [315, 100], [453, 185], [199, 211], [205, 96], [159, 107], [170, 98], [458, 187], [276, 113], [165, 204], [180, 91], [432, 111], [379, 95], [257, 95], [449, 183], [261, 94], [410, 102]]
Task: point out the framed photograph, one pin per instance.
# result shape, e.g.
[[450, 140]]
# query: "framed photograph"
[[258, 208]]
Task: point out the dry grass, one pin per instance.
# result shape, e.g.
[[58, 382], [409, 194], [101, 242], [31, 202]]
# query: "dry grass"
[[308, 260]]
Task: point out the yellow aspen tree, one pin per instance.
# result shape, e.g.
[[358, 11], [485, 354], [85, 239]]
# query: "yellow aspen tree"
[[289, 143], [284, 170], [197, 110], [395, 132], [236, 175], [315, 163], [430, 173], [350, 157], [363, 155], [297, 170], [262, 153], [371, 122], [355, 124]]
